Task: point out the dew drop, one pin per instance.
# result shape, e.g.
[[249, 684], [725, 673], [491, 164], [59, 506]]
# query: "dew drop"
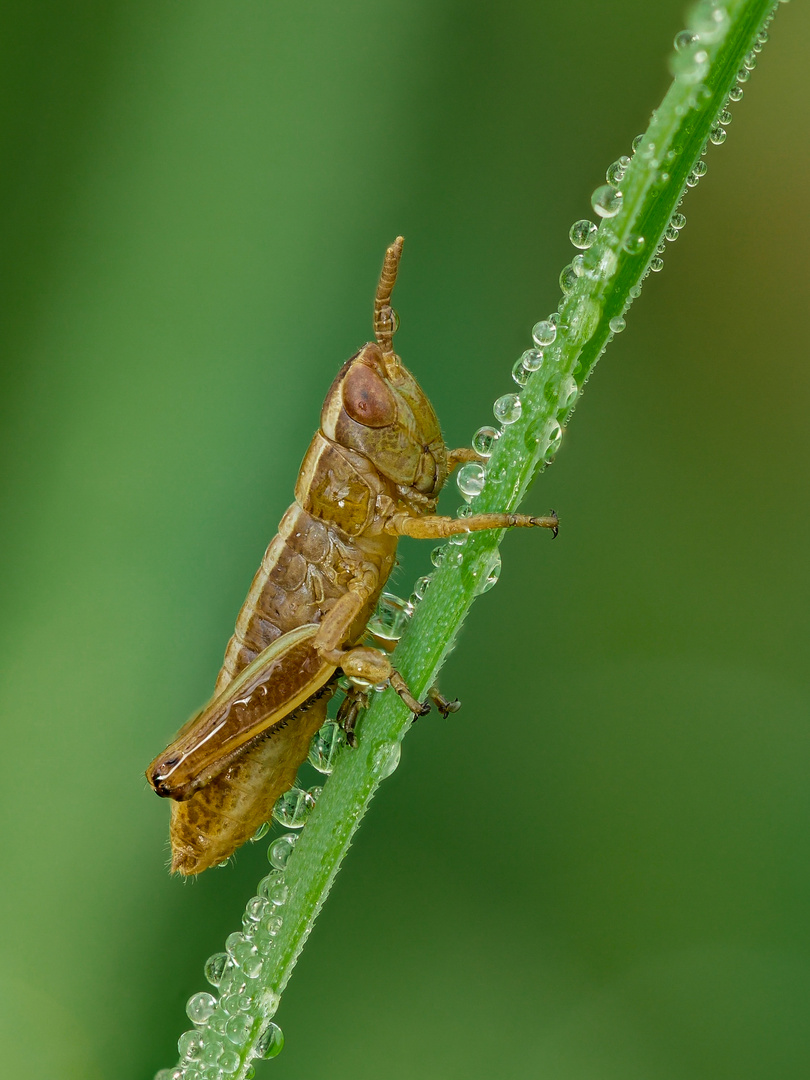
[[200, 1007], [725, 118], [218, 1021], [736, 93], [229, 1062], [617, 169], [386, 759], [677, 221], [389, 621], [607, 201], [255, 908], [701, 168], [582, 233], [270, 926], [544, 332], [633, 244], [617, 324], [233, 982], [212, 1051], [568, 392], [293, 808], [421, 586], [656, 265], [213, 1071], [247, 957], [635, 291], [189, 1045], [519, 373], [743, 75], [584, 317], [671, 233], [170, 1074], [246, 1001], [483, 441], [579, 267], [452, 554], [709, 19], [262, 831], [274, 888], [327, 743], [280, 850], [750, 62], [684, 40], [231, 941], [470, 479], [568, 280], [553, 439], [718, 135], [238, 1028], [507, 410], [531, 360], [215, 967], [490, 575], [690, 64], [270, 1042]]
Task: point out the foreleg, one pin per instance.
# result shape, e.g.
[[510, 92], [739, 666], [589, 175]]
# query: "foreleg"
[[461, 456]]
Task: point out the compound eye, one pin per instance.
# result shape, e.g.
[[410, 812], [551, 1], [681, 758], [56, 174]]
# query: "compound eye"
[[367, 399]]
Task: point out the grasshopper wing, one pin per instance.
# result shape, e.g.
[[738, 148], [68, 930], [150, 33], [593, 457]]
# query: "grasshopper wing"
[[281, 678], [215, 821]]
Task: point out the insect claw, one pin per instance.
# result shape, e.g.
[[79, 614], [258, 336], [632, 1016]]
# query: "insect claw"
[[444, 706], [348, 713]]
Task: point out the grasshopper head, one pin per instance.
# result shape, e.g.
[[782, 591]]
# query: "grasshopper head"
[[376, 407]]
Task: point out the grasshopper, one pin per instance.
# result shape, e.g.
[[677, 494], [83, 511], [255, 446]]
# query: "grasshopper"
[[373, 473]]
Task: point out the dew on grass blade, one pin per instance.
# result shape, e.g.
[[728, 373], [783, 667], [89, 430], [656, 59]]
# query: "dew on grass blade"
[[280, 850], [583, 233], [293, 808], [470, 479], [507, 410], [607, 201]]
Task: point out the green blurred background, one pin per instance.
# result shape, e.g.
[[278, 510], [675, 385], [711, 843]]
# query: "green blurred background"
[[599, 869]]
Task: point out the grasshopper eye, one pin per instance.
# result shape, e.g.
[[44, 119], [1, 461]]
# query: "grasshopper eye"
[[367, 399]]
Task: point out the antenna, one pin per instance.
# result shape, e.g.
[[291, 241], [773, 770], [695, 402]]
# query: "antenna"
[[385, 320]]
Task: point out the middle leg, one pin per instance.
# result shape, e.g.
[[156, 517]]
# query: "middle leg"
[[438, 527]]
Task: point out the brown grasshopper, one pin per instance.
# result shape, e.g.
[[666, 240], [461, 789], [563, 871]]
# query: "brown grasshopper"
[[372, 473]]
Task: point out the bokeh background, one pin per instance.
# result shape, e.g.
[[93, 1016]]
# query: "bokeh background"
[[599, 868]]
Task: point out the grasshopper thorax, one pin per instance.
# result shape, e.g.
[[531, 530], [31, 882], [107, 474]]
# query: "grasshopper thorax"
[[377, 408]]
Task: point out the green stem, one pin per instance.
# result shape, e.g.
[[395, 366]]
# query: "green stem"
[[609, 276]]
